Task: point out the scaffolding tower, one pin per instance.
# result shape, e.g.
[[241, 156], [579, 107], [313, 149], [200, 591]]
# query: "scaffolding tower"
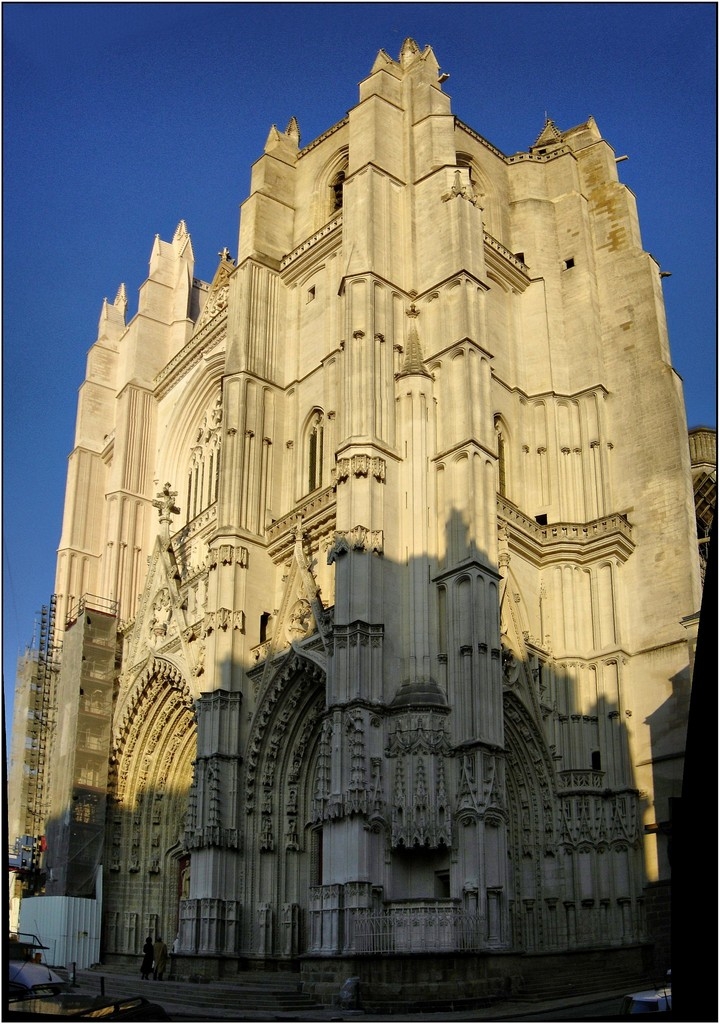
[[42, 706]]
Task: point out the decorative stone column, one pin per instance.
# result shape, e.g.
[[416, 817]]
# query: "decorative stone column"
[[131, 935], [188, 926], [571, 924], [315, 913], [552, 922], [332, 898], [356, 896], [494, 916], [265, 937], [291, 928], [212, 926], [233, 914]]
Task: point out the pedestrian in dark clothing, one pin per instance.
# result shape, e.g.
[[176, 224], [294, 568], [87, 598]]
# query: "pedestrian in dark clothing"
[[161, 955], [147, 961]]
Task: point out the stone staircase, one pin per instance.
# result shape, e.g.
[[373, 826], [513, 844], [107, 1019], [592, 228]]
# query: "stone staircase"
[[256, 995]]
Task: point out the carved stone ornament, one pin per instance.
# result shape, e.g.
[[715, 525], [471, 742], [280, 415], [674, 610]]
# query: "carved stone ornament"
[[510, 667], [361, 465], [357, 539], [461, 191], [161, 617], [227, 554], [302, 621]]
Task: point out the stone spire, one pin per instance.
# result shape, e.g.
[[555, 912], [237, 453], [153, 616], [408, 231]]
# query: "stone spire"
[[409, 52], [112, 322], [413, 362], [549, 136], [293, 131]]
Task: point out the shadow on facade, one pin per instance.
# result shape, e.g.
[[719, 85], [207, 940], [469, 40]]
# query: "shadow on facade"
[[349, 802]]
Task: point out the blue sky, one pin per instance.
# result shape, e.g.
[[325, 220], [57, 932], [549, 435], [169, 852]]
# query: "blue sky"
[[119, 120]]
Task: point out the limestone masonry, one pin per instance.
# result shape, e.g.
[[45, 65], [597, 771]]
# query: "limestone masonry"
[[379, 577]]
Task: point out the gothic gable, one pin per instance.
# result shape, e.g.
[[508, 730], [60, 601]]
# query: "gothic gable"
[[218, 294], [160, 625], [518, 675]]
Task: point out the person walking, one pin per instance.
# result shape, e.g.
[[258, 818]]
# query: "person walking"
[[147, 960], [160, 951]]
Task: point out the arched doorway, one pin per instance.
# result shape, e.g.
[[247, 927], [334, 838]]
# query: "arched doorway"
[[532, 848], [151, 773], [283, 841]]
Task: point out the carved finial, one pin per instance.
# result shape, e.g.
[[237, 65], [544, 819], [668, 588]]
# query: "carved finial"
[[293, 131], [413, 362], [224, 255], [273, 137], [409, 52], [549, 136], [165, 504], [121, 300]]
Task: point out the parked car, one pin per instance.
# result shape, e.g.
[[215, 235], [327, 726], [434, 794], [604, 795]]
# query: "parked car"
[[35, 992], [69, 1006], [28, 980], [656, 1001]]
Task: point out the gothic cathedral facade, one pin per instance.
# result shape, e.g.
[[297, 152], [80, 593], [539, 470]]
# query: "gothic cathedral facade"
[[395, 518]]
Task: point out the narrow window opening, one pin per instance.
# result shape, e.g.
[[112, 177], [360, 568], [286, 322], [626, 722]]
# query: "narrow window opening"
[[204, 468], [313, 460], [315, 453], [264, 620], [595, 760], [442, 885], [520, 256], [316, 857], [336, 186], [502, 482], [569, 263], [541, 519], [501, 458], [311, 293]]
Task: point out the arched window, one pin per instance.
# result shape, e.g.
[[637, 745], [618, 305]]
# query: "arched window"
[[314, 449], [204, 471], [336, 186], [463, 160], [330, 187], [502, 464]]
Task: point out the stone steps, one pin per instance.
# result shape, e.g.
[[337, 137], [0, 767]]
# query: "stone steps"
[[279, 993]]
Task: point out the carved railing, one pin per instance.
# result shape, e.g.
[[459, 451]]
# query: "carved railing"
[[415, 929], [325, 135], [317, 514], [505, 253], [581, 778], [586, 531], [610, 535], [324, 231]]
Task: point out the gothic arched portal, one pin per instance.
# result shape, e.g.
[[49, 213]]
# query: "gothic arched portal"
[[282, 842], [154, 749], [532, 846]]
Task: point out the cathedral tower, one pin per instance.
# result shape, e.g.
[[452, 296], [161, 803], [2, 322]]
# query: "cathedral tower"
[[399, 567]]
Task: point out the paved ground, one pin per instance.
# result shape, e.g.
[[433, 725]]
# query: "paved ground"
[[253, 1000]]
